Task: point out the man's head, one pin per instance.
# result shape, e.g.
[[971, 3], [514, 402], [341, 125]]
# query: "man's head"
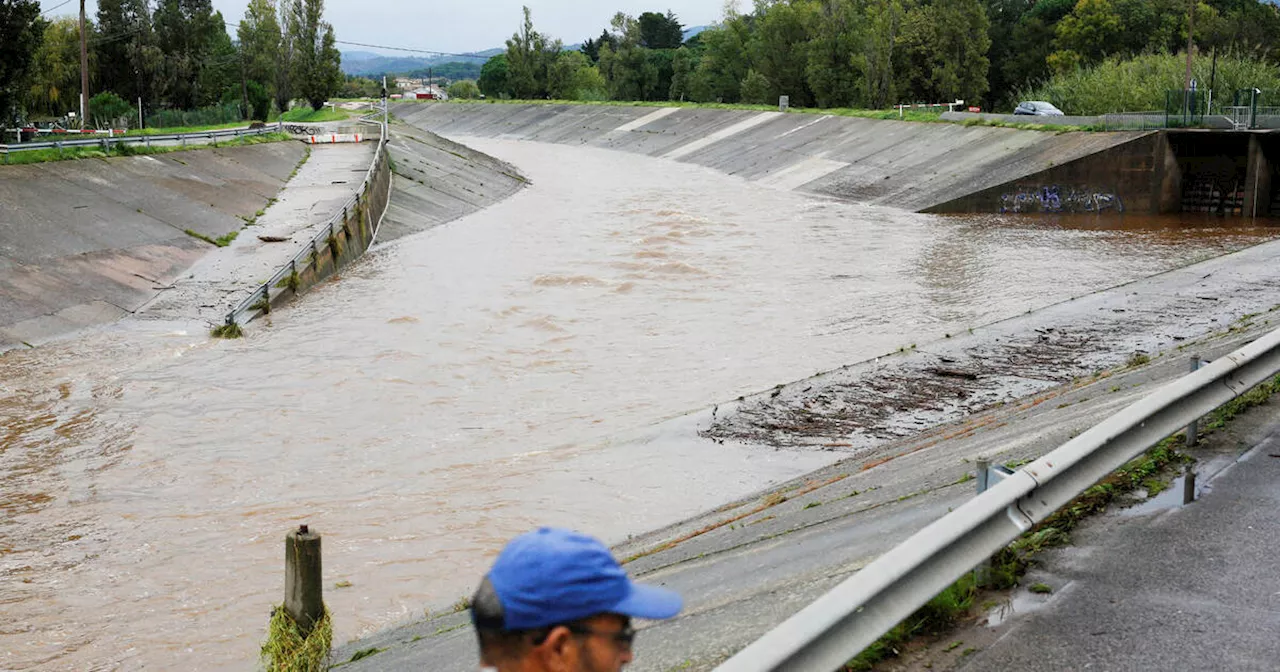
[[557, 601]]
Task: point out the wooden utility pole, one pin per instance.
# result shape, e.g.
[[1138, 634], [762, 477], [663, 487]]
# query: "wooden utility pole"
[[1191, 24], [84, 69]]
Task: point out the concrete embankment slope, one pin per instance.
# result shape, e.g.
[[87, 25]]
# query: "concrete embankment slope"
[[437, 181], [914, 166], [86, 242]]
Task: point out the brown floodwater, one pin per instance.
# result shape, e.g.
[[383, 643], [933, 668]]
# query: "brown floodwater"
[[463, 385]]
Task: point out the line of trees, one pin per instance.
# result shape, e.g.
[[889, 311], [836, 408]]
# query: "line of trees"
[[870, 53], [170, 54]]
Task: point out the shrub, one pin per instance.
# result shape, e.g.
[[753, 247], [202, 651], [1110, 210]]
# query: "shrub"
[[1140, 84]]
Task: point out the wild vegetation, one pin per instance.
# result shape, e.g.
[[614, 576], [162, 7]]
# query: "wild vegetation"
[[872, 54]]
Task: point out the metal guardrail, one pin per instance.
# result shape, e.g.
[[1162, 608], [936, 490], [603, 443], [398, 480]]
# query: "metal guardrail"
[[260, 300], [840, 624], [107, 142]]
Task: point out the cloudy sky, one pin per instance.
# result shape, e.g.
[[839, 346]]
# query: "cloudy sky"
[[461, 25]]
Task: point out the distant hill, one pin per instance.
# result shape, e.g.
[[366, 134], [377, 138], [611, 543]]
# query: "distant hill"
[[369, 63]]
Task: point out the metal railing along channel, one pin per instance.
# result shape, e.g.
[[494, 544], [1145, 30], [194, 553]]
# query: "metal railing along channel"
[[259, 301], [853, 615], [107, 142]]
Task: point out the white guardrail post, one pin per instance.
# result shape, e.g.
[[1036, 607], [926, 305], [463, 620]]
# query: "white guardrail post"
[[840, 624]]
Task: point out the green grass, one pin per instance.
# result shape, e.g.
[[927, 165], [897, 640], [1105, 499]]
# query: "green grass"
[[228, 331], [286, 650], [307, 115], [186, 129], [79, 153]]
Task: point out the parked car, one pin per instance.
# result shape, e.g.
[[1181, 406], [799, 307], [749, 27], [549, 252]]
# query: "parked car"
[[1037, 108]]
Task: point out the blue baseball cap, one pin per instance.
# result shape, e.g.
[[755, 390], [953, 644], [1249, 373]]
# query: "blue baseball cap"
[[552, 576]]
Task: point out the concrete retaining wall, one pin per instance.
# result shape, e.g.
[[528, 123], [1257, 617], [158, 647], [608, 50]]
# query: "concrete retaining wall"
[[438, 181], [914, 166], [85, 242]]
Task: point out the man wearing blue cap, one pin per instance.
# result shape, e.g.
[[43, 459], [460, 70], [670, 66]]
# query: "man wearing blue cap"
[[557, 601]]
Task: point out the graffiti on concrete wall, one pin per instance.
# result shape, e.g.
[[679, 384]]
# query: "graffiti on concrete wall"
[[1055, 199]]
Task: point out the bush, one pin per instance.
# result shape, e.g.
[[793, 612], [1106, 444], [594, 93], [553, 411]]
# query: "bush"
[[106, 108], [465, 89], [259, 100], [205, 116], [1140, 84]]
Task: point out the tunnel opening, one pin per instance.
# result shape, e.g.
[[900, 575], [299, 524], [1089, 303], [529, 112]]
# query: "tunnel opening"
[[1215, 171]]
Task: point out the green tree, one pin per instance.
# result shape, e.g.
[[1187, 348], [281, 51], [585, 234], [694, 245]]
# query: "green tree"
[[494, 79], [317, 64], [591, 47], [884, 30], [259, 100], [130, 63], [54, 79], [779, 49], [572, 77], [724, 62], [286, 56], [837, 66], [1087, 35], [529, 58], [21, 31], [683, 65], [192, 38], [944, 46], [464, 90], [659, 31], [106, 108], [259, 37], [756, 89]]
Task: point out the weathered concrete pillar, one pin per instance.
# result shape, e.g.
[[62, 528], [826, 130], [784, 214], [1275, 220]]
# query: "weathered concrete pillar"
[[303, 587], [1168, 176], [1257, 188]]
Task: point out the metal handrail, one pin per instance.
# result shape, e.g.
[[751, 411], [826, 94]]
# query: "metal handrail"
[[843, 622], [137, 139], [327, 229]]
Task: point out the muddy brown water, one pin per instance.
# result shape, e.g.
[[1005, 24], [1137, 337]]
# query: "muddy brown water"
[[465, 384]]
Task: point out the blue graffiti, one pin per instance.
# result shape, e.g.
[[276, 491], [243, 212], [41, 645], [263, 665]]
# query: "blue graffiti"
[[1052, 199]]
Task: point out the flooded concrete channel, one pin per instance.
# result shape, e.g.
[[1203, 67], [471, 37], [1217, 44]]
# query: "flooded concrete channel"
[[534, 362]]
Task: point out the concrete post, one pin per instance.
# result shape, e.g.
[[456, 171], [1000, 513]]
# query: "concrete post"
[[1193, 429], [1257, 190], [783, 103], [303, 585]]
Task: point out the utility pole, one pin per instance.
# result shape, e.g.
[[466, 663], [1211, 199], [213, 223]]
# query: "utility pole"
[[1191, 23], [84, 69], [244, 88]]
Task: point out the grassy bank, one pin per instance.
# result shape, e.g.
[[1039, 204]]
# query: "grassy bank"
[[72, 154], [305, 115], [1151, 472]]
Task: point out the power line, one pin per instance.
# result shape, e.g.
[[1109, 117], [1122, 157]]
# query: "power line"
[[405, 49], [64, 2]]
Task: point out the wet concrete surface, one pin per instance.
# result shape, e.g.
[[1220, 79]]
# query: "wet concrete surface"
[[325, 181], [905, 165], [748, 565], [85, 242]]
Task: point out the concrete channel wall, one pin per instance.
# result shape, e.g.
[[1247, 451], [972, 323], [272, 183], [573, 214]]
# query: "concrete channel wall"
[[86, 242], [913, 166]]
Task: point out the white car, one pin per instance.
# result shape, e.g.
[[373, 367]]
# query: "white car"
[[1037, 108]]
